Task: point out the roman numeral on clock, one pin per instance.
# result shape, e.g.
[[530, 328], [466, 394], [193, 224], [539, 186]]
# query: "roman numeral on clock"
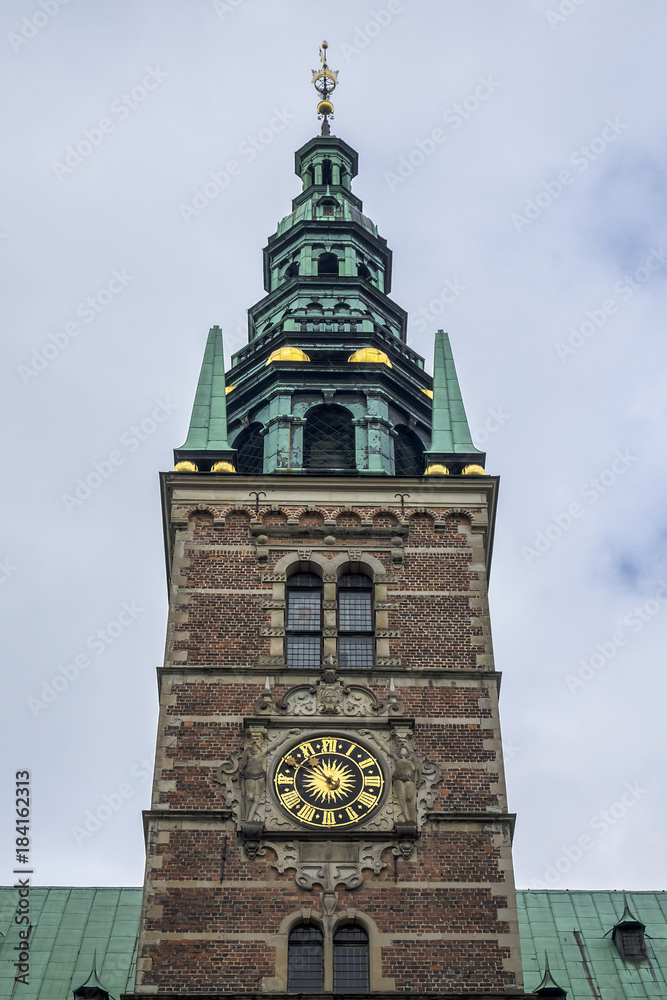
[[352, 813], [367, 799], [328, 818], [372, 781], [290, 799], [306, 812]]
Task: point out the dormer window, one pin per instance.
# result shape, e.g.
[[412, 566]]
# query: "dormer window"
[[628, 936]]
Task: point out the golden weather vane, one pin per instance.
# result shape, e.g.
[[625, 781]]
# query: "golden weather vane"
[[324, 81]]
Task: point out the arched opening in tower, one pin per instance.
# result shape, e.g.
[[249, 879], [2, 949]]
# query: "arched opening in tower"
[[327, 263], [408, 453], [250, 451], [328, 440]]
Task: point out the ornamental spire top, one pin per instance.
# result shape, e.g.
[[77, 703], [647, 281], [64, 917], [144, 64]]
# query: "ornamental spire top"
[[324, 82]]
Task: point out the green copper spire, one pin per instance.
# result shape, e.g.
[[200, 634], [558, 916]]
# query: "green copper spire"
[[207, 436], [450, 434]]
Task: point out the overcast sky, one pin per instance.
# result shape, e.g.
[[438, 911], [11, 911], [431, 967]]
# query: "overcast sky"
[[512, 151]]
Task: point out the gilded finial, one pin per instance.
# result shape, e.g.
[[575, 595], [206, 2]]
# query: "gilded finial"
[[324, 81]]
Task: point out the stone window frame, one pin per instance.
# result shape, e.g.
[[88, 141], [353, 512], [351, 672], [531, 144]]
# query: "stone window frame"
[[328, 926], [329, 569]]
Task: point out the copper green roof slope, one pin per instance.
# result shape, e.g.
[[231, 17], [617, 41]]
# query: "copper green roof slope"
[[450, 434], [574, 929], [72, 930], [207, 436]]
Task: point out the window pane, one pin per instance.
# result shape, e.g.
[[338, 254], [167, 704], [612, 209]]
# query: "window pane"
[[303, 651], [354, 611], [351, 960], [305, 966], [304, 610], [355, 651], [356, 581]]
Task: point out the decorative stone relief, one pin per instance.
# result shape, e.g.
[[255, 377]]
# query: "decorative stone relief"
[[330, 695], [328, 864], [243, 778]]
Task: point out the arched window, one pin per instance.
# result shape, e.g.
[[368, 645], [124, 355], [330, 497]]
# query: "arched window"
[[250, 451], [305, 960], [408, 453], [328, 440], [350, 959], [304, 621], [355, 621], [327, 263]]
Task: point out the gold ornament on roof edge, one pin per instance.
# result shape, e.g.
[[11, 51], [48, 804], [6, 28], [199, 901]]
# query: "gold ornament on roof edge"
[[228, 389], [371, 354], [287, 354], [473, 470], [428, 392], [437, 470], [185, 467], [222, 467]]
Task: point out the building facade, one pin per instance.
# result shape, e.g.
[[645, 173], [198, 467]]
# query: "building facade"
[[329, 810]]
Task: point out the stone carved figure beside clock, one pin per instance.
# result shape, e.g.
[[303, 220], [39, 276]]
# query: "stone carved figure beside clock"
[[327, 780]]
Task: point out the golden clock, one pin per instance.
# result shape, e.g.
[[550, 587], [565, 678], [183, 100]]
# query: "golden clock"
[[329, 782]]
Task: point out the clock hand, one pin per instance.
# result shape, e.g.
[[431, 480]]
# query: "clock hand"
[[330, 780]]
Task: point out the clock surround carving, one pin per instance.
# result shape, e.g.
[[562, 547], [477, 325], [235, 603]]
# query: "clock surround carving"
[[323, 714]]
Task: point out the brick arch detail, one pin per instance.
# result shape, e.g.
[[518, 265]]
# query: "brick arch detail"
[[459, 512]]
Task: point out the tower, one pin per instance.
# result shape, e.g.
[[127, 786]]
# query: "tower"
[[329, 810]]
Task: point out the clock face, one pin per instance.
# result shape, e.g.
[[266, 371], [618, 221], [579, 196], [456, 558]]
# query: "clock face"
[[329, 781]]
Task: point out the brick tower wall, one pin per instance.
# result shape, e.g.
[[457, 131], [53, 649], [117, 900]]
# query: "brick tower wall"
[[215, 918]]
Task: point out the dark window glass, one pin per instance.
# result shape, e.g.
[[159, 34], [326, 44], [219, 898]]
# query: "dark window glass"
[[250, 451], [304, 611], [328, 440], [350, 956], [631, 943], [408, 453], [354, 611], [355, 621], [304, 621], [326, 172], [305, 960], [355, 651], [327, 263]]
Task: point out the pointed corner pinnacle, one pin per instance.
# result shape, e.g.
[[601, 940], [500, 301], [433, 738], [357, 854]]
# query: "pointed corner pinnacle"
[[450, 435], [208, 424]]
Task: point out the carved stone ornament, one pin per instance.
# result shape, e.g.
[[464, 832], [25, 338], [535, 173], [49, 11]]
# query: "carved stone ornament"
[[330, 695], [332, 865], [243, 778], [414, 777]]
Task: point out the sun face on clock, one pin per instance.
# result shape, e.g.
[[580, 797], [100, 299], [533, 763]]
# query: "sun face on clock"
[[329, 781]]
